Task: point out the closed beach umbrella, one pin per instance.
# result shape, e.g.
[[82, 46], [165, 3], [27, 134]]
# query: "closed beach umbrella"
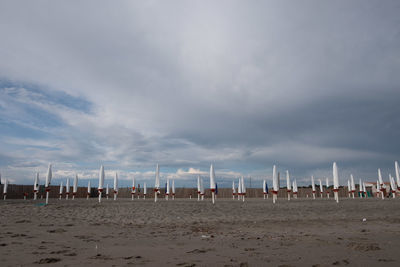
[[89, 190], [75, 187], [275, 184], [198, 188], [61, 190], [335, 182], [5, 187], [243, 188], [212, 183], [115, 186], [173, 189], [36, 186], [381, 185], [295, 188], [133, 191], [167, 189], [313, 186], [327, 187], [392, 186], [361, 188], [144, 190], [202, 189], [101, 182], [397, 170], [348, 187], [264, 188], [107, 191], [288, 184], [321, 189], [378, 188], [67, 189], [48, 182], [157, 183], [353, 185], [233, 190]]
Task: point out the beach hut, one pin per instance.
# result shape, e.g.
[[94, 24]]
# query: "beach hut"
[[115, 186], [313, 186], [101, 182], [157, 183], [288, 185], [75, 187], [212, 183], [89, 189], [5, 187], [67, 189], [61, 190], [36, 186], [48, 182], [275, 186], [335, 182]]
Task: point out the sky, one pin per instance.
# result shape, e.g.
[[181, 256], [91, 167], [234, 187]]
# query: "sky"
[[242, 85]]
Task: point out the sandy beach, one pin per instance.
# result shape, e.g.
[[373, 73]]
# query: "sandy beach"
[[185, 232]]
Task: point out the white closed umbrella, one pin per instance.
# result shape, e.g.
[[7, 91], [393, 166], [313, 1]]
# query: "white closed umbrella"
[[48, 182], [67, 189], [89, 190], [327, 187], [61, 190], [392, 186], [75, 187], [101, 182], [198, 188], [233, 190], [365, 190], [167, 189], [107, 191], [173, 189], [353, 185], [288, 184], [5, 187], [348, 187], [313, 186], [243, 189], [264, 188], [378, 188], [321, 188], [202, 189], [381, 185], [275, 186], [36, 186], [397, 170], [212, 183], [295, 188], [115, 186], [144, 190], [239, 189], [157, 183], [361, 189], [133, 191], [335, 182]]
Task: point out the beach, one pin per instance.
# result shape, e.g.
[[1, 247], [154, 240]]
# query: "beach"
[[184, 232]]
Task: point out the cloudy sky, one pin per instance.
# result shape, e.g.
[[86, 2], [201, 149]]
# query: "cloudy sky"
[[240, 84]]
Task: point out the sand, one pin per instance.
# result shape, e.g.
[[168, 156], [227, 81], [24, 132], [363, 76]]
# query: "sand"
[[302, 232]]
